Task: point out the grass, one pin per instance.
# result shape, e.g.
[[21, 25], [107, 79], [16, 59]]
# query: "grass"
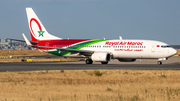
[[97, 73], [85, 85]]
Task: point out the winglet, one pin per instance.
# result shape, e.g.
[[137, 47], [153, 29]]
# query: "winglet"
[[26, 40]]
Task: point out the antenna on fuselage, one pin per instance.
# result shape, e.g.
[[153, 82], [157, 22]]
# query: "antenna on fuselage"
[[104, 38], [120, 38]]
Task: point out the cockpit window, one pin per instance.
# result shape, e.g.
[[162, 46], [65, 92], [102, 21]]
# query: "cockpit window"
[[164, 46]]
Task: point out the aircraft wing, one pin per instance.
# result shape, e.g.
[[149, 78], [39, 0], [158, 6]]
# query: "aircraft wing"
[[16, 40], [81, 52], [73, 51]]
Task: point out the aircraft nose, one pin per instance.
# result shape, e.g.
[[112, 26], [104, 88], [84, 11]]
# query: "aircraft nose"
[[173, 51]]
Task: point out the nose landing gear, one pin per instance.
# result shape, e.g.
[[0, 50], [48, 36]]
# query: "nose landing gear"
[[159, 62]]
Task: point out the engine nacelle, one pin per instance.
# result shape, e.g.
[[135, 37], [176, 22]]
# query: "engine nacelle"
[[101, 57], [126, 60]]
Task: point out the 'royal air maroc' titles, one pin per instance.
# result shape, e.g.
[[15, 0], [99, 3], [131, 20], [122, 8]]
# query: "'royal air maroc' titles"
[[123, 43]]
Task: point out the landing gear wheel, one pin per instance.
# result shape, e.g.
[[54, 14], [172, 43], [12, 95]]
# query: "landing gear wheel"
[[89, 61], [159, 63], [104, 62]]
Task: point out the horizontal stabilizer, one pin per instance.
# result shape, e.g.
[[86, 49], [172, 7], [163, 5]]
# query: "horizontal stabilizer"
[[22, 41]]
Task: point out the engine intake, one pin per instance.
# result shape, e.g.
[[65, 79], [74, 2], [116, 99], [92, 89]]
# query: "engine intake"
[[101, 57]]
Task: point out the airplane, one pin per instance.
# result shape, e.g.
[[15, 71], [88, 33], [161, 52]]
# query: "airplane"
[[95, 50]]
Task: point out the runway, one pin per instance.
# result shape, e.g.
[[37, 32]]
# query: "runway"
[[52, 66], [172, 63]]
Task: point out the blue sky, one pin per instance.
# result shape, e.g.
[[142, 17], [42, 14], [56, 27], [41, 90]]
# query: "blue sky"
[[95, 19]]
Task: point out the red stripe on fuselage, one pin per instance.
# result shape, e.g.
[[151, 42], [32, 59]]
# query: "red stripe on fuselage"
[[60, 42]]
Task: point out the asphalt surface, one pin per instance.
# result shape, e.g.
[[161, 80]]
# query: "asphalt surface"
[[172, 63]]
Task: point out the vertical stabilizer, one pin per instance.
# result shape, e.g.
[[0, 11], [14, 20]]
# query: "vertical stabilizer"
[[37, 30]]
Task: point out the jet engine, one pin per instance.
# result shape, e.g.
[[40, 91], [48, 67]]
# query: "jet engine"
[[101, 57], [126, 60]]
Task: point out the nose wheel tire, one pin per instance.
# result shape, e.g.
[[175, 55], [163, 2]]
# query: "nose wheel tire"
[[89, 61], [159, 63]]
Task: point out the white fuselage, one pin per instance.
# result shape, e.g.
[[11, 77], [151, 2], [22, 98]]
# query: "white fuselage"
[[137, 49]]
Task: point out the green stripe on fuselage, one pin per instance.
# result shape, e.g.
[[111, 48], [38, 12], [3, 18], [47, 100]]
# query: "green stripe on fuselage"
[[77, 46], [56, 52]]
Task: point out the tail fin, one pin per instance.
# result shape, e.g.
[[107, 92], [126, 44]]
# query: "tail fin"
[[37, 30]]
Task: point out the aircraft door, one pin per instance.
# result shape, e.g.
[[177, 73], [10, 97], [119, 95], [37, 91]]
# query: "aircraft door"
[[153, 48]]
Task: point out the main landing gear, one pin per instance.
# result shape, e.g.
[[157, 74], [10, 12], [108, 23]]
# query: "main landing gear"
[[89, 61], [159, 62]]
